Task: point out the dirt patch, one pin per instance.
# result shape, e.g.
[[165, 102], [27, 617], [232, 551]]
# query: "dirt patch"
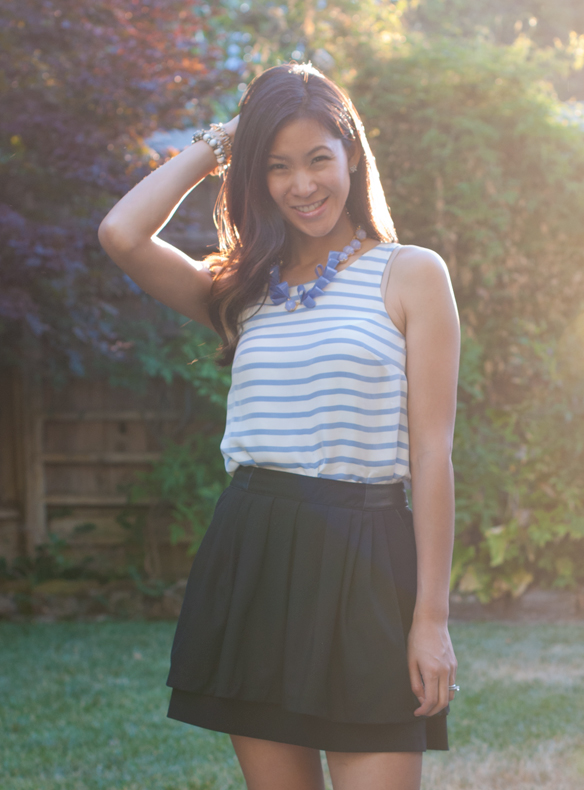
[[64, 599], [536, 606], [553, 765]]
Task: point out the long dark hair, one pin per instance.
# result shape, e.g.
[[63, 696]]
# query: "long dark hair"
[[252, 233]]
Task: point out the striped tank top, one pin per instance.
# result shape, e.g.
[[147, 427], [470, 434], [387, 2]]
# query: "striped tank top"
[[323, 391]]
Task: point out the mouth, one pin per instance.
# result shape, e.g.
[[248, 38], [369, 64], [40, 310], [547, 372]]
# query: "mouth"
[[310, 208]]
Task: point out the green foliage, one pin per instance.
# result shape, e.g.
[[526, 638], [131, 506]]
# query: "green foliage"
[[82, 86], [190, 475], [51, 560], [480, 164], [162, 344], [188, 479], [264, 33], [543, 21]]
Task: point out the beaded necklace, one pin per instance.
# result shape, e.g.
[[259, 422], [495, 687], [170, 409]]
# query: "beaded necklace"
[[280, 291]]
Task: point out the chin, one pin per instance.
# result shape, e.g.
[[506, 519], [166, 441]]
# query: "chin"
[[317, 229]]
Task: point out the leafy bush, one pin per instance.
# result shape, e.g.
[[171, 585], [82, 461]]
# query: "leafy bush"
[[190, 475], [188, 479], [82, 85], [51, 560], [480, 163]]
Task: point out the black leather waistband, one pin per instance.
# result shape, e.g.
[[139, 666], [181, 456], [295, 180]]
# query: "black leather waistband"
[[341, 493]]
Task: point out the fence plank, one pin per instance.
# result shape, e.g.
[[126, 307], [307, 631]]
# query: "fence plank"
[[93, 500], [129, 415], [34, 511], [101, 458]]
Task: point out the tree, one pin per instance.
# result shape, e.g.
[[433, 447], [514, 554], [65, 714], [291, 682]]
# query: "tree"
[[501, 20], [328, 32], [82, 85], [480, 163], [479, 160], [555, 24]]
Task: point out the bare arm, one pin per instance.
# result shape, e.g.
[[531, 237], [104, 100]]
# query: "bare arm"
[[427, 309], [129, 233]]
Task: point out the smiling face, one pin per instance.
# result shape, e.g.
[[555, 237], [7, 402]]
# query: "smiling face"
[[308, 178]]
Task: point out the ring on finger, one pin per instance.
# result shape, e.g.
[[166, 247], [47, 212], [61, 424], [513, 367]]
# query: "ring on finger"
[[454, 687]]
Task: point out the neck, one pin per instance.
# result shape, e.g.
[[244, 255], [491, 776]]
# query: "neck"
[[305, 252]]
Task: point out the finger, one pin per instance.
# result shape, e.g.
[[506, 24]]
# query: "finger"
[[443, 691], [452, 682], [416, 682], [430, 696], [440, 698]]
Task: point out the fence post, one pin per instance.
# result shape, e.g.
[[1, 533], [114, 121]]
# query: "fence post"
[[30, 407]]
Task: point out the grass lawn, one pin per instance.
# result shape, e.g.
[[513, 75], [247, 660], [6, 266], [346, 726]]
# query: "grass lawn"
[[83, 706]]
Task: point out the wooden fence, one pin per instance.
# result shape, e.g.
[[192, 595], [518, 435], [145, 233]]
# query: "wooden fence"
[[65, 455], [65, 458]]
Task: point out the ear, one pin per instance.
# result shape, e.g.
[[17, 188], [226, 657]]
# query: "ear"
[[354, 156]]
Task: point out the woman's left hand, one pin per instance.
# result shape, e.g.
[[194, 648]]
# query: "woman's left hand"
[[432, 665]]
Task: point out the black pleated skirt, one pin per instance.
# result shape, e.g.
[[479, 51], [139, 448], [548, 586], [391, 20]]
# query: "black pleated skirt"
[[296, 614]]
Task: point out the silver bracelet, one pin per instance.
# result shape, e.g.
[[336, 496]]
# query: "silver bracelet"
[[212, 139]]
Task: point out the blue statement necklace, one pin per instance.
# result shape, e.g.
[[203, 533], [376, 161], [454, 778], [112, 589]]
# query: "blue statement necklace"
[[280, 292]]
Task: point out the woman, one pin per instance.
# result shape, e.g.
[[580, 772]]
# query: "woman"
[[315, 615]]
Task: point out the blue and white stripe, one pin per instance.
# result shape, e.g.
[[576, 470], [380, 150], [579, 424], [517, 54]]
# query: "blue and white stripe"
[[323, 391]]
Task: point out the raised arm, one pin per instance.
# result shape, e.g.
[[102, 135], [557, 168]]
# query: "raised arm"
[[423, 300], [129, 233]]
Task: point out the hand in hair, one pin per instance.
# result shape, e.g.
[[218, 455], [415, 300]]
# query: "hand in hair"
[[231, 127]]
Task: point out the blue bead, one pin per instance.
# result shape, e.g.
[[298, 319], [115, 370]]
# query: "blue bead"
[[279, 291]]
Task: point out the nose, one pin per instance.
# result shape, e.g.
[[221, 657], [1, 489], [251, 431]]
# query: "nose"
[[302, 183]]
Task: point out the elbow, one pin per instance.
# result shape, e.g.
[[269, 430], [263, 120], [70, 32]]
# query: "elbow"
[[439, 455], [114, 239], [106, 234]]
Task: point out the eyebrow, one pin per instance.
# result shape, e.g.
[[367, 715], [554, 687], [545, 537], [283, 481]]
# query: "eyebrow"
[[310, 153]]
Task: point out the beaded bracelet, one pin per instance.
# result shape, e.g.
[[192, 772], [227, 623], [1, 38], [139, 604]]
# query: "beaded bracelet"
[[220, 142], [225, 139]]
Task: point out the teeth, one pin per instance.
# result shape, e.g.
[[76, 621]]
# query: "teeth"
[[311, 207]]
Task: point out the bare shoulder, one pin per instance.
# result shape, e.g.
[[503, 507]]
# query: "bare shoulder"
[[421, 276], [419, 284], [419, 266]]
